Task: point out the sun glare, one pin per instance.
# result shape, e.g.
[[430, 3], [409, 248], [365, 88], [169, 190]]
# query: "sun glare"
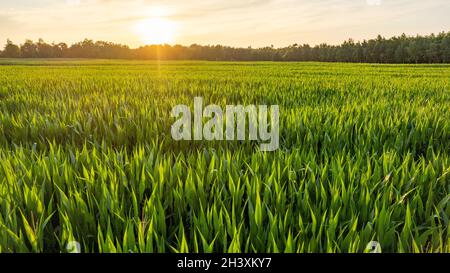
[[156, 31]]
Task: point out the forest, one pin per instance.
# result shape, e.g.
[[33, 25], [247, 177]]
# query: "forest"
[[433, 48]]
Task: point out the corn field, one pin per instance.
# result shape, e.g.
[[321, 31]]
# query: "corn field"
[[86, 155]]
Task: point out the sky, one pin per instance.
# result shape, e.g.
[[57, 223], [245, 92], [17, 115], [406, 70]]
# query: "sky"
[[241, 23]]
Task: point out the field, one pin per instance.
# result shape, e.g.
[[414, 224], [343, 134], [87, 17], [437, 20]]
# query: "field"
[[86, 155]]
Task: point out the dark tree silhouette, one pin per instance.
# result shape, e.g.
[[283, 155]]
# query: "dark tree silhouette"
[[402, 49], [11, 50]]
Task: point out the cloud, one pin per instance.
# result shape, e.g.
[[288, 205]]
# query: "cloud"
[[234, 22]]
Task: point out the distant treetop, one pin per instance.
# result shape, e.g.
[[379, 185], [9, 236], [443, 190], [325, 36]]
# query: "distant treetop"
[[400, 49]]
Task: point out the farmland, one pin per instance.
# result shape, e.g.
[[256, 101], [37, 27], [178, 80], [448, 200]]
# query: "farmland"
[[86, 155]]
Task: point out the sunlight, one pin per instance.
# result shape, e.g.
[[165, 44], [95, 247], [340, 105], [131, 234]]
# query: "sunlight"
[[156, 31]]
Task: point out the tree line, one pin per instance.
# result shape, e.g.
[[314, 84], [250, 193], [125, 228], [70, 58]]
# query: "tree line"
[[399, 49]]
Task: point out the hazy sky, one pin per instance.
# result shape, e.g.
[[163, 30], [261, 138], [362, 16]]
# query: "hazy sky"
[[230, 22]]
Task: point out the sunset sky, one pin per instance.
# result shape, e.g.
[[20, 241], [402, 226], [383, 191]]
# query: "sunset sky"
[[232, 22]]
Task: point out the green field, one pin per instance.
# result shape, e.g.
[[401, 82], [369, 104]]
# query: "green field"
[[86, 155]]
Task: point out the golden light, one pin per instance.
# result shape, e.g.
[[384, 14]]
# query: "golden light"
[[156, 30]]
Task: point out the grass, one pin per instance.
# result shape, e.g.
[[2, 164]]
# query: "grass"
[[86, 154]]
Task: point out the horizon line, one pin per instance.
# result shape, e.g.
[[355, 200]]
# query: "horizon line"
[[229, 46]]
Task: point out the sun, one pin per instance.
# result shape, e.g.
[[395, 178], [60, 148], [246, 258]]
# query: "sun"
[[156, 30]]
